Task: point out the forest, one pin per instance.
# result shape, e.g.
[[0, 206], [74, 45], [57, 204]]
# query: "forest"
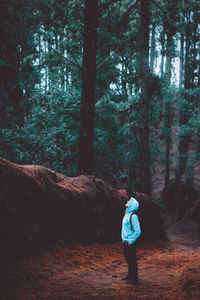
[[110, 103], [98, 98]]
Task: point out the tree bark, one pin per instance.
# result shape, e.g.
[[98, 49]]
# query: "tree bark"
[[168, 143], [153, 48], [87, 111], [162, 39], [144, 148], [184, 115], [168, 106], [181, 48]]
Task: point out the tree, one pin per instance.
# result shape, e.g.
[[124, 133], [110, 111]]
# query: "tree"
[[144, 149], [189, 81], [168, 73], [86, 140], [17, 74]]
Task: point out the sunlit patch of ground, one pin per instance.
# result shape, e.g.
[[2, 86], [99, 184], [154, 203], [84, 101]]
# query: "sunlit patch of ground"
[[94, 272]]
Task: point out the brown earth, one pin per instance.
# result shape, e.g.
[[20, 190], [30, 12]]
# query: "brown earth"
[[168, 270]]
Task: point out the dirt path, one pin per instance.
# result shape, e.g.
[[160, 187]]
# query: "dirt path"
[[95, 271]]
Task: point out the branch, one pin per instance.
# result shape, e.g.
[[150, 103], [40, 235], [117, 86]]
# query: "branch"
[[105, 5], [72, 94], [126, 58], [116, 25], [159, 6], [72, 62], [132, 77], [128, 12], [100, 95], [71, 53], [114, 52]]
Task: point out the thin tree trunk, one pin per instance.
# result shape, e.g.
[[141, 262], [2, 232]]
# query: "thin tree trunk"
[[144, 148], [130, 85], [180, 93], [124, 84], [199, 68], [46, 69], [39, 57], [86, 139], [168, 143], [153, 42], [168, 108], [184, 115], [62, 68], [162, 39], [181, 49]]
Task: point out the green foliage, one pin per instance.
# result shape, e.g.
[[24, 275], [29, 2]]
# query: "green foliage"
[[113, 151], [184, 131], [17, 74], [194, 123], [49, 135], [40, 69]]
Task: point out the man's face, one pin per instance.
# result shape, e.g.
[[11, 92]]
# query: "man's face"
[[127, 203]]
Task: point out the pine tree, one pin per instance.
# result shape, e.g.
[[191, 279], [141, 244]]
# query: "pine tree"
[[86, 140]]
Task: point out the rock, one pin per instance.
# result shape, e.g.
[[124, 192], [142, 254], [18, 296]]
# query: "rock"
[[194, 211], [180, 198]]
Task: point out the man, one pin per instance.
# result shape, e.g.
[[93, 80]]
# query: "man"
[[130, 232]]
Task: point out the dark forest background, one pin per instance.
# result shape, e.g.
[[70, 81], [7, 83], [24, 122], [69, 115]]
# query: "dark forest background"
[[89, 87]]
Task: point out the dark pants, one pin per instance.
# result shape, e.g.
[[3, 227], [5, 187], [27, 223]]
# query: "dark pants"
[[131, 258]]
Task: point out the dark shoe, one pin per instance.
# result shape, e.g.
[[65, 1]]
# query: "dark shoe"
[[131, 281], [126, 278]]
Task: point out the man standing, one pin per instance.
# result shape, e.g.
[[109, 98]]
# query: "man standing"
[[130, 232]]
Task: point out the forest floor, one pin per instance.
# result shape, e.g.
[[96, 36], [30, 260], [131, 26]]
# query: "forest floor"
[[167, 270]]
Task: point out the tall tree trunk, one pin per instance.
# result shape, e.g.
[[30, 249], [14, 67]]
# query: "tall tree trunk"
[[46, 69], [199, 69], [62, 68], [144, 149], [124, 83], [168, 142], [181, 48], [179, 171], [86, 139], [184, 115], [130, 85], [162, 40], [168, 107], [40, 58], [153, 47]]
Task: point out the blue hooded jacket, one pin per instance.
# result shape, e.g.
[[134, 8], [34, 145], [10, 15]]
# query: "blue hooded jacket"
[[126, 233]]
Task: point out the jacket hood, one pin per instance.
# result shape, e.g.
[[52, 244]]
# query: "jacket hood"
[[133, 206]]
